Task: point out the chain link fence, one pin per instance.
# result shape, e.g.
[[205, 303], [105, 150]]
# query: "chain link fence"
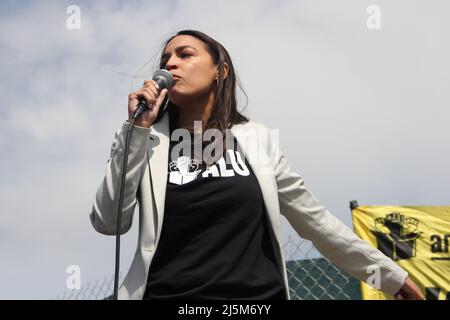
[[313, 277], [98, 290], [310, 277]]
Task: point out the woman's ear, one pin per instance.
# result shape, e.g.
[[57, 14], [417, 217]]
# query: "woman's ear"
[[225, 72]]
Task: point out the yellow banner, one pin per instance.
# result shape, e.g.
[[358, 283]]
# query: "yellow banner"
[[416, 238]]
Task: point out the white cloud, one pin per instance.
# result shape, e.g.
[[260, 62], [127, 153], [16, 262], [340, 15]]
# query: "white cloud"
[[50, 122]]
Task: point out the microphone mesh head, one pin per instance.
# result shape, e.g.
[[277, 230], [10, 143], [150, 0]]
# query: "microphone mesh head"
[[163, 78]]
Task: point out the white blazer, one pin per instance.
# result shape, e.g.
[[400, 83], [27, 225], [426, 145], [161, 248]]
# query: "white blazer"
[[283, 191]]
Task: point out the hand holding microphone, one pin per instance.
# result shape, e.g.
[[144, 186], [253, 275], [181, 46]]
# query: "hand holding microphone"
[[144, 104]]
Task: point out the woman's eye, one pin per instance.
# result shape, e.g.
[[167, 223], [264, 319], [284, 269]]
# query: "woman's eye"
[[185, 55]]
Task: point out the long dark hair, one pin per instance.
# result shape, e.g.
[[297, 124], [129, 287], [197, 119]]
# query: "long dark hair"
[[224, 114]]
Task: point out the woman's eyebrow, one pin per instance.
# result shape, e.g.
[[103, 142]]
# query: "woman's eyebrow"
[[178, 49]]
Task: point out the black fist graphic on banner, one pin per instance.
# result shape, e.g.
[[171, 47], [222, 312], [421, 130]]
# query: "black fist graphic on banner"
[[397, 235]]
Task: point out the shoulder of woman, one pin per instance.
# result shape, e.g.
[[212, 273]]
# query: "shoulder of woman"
[[252, 125], [258, 132]]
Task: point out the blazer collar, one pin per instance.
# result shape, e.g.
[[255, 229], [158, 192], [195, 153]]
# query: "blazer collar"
[[158, 155]]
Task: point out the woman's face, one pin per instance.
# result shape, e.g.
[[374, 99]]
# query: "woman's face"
[[192, 68]]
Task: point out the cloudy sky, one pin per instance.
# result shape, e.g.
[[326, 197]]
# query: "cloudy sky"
[[362, 113]]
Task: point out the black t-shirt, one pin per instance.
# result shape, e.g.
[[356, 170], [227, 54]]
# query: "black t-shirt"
[[214, 242]]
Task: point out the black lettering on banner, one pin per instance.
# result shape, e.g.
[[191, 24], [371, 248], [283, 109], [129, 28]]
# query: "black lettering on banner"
[[439, 245], [436, 246], [432, 293]]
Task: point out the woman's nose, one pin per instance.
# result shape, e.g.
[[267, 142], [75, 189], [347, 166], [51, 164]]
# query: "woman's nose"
[[172, 63]]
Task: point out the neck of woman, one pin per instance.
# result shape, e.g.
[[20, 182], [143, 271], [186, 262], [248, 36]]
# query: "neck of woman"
[[197, 110]]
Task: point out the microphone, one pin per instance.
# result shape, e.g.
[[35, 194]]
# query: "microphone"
[[164, 80]]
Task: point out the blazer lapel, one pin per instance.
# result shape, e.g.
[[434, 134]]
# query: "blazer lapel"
[[158, 153], [262, 169]]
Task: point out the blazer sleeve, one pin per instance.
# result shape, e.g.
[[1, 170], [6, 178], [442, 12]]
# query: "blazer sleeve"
[[331, 237], [103, 215]]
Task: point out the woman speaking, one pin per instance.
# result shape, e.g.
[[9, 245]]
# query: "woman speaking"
[[209, 213]]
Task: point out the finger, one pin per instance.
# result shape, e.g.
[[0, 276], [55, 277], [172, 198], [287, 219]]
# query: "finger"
[[161, 97], [151, 87], [147, 82], [420, 296], [151, 91], [151, 84], [413, 290], [399, 297], [132, 96], [148, 98]]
